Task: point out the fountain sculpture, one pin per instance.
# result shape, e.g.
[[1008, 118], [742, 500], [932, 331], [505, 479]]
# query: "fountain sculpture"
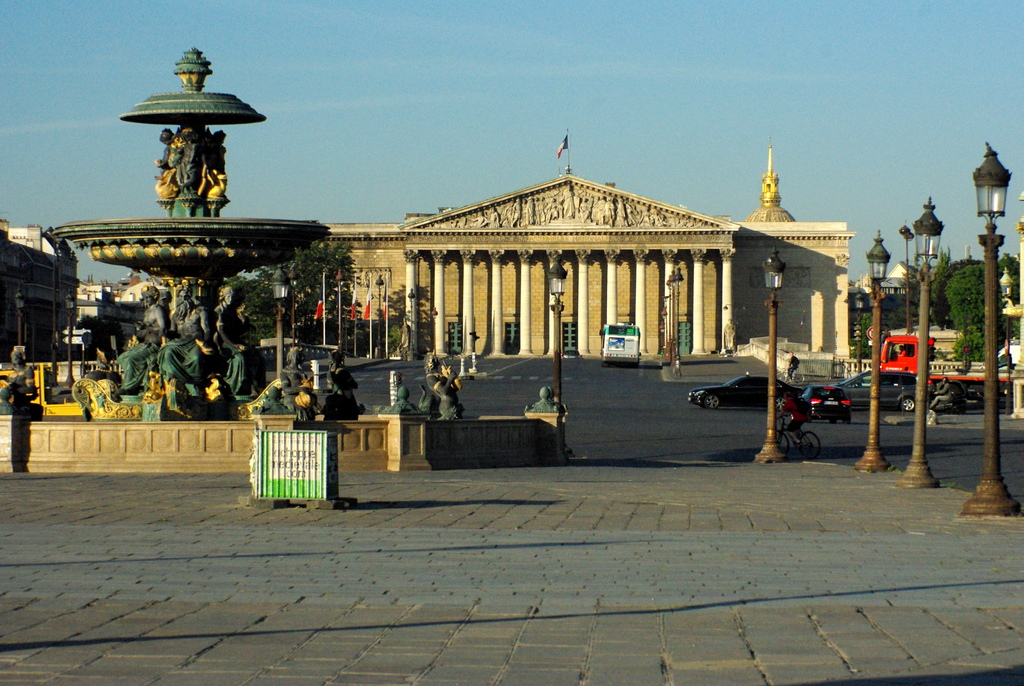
[[189, 358]]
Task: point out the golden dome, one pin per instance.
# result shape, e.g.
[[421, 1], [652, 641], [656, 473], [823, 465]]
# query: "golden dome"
[[770, 210]]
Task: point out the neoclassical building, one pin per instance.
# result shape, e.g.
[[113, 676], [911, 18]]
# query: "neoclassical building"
[[481, 269]]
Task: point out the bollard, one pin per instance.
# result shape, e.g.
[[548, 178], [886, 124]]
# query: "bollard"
[[472, 363]]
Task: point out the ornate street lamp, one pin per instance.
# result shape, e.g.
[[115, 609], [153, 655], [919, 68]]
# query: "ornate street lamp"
[[380, 316], [908, 236], [991, 497], [878, 262], [292, 278], [70, 304], [338, 278], [773, 269], [674, 282], [928, 230], [411, 314], [281, 287], [556, 284], [1006, 284], [19, 306]]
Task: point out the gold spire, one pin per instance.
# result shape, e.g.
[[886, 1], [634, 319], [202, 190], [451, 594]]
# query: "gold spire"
[[770, 209]]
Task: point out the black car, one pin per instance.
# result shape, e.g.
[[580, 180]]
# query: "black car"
[[827, 402], [743, 391], [896, 390]]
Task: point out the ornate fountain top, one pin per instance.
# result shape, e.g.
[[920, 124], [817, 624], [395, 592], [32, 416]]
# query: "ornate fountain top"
[[192, 106]]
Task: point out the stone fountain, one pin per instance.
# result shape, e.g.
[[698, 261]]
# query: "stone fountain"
[[189, 358]]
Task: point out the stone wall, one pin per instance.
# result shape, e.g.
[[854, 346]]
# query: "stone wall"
[[381, 443]]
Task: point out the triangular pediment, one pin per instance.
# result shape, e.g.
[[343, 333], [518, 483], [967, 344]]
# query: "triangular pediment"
[[569, 201]]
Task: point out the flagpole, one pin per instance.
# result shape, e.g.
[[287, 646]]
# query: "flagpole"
[[568, 158], [323, 295], [384, 334]]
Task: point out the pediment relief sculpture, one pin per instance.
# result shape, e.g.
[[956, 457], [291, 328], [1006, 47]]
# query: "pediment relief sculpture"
[[569, 201]]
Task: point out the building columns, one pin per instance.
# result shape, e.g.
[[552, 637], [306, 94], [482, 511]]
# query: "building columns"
[[438, 288], [699, 258], [467, 301], [497, 318], [583, 300], [640, 306], [525, 335], [612, 296]]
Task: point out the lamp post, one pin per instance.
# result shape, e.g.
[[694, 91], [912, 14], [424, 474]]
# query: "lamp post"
[[928, 230], [773, 269], [556, 284], [991, 497], [380, 315], [338, 277], [908, 236], [69, 305], [1006, 283], [19, 306], [674, 282], [878, 262], [413, 320], [292, 278], [281, 288]]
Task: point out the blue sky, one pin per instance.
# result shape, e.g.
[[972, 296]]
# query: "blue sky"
[[380, 108]]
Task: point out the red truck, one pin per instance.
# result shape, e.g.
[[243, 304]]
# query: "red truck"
[[899, 354]]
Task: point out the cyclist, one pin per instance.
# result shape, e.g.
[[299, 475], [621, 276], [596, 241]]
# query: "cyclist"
[[798, 414], [794, 364]]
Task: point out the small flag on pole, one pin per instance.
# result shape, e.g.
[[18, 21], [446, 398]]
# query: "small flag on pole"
[[563, 147], [366, 309], [352, 310], [320, 306]]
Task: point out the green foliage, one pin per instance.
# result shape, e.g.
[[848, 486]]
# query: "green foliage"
[[310, 265], [966, 294]]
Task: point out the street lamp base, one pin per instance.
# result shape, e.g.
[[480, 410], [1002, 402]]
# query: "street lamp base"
[[991, 498], [770, 454], [872, 461], [918, 475]]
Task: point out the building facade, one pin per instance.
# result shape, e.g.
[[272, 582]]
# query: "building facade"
[[44, 271], [474, 278]]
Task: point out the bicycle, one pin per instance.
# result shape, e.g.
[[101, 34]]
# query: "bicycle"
[[793, 377], [807, 442]]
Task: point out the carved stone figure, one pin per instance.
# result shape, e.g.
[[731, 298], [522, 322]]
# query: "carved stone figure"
[[402, 404], [729, 336], [139, 358], [245, 370]]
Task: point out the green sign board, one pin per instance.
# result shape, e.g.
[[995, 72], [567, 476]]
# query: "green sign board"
[[295, 464]]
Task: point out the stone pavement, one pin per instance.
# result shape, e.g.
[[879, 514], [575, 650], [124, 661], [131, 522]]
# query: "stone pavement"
[[699, 573]]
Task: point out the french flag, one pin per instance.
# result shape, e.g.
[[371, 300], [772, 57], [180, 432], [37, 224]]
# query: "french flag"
[[369, 299], [320, 306], [563, 147]]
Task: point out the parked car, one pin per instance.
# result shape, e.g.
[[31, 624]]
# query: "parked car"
[[828, 402], [743, 391], [896, 390]]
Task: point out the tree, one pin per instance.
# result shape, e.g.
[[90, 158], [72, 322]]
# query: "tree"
[[310, 265], [966, 293]]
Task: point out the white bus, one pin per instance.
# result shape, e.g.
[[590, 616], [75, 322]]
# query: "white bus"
[[620, 344]]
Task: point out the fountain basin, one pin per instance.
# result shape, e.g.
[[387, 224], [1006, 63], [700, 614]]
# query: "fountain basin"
[[192, 247]]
